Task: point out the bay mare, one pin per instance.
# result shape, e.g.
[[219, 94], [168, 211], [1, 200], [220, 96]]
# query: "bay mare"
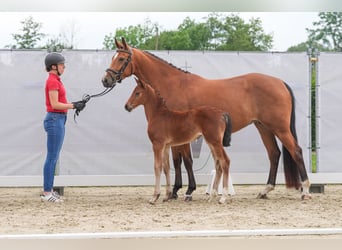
[[263, 100], [167, 128]]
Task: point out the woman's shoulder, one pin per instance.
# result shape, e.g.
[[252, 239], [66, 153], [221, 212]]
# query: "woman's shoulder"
[[53, 82]]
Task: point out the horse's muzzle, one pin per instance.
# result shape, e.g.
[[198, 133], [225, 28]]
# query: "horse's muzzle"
[[108, 81]]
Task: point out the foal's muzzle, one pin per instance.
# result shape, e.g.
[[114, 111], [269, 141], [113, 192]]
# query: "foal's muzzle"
[[128, 108]]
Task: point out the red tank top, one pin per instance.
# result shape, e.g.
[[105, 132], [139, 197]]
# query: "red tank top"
[[54, 83]]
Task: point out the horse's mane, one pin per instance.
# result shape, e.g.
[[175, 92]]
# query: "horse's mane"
[[164, 61]]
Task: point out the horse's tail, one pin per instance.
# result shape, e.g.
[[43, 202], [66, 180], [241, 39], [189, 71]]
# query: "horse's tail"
[[292, 177], [228, 130]]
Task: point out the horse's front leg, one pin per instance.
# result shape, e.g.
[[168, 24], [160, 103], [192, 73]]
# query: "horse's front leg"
[[273, 152], [158, 156], [177, 163], [188, 162], [166, 169]]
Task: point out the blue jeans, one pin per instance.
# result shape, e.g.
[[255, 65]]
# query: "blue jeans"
[[54, 125]]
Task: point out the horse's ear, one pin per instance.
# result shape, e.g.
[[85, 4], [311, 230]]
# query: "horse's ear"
[[117, 43], [124, 43]]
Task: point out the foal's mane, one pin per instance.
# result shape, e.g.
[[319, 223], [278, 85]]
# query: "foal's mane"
[[164, 61], [160, 99]]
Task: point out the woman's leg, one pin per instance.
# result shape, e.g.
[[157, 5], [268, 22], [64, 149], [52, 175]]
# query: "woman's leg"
[[54, 125]]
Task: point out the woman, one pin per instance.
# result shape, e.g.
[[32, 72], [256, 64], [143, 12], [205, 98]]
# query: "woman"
[[54, 122]]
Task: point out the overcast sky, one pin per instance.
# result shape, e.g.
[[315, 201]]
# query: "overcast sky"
[[288, 28]]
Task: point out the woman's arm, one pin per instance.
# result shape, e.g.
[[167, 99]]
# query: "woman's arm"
[[53, 95]]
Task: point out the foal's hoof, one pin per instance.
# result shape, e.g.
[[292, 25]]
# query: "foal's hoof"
[[306, 197], [262, 196], [222, 201], [154, 198], [211, 199], [188, 197], [168, 197]]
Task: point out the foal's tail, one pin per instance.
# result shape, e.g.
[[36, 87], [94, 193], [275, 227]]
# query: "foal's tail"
[[228, 130], [291, 171]]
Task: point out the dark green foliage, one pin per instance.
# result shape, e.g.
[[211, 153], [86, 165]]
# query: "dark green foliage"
[[216, 32]]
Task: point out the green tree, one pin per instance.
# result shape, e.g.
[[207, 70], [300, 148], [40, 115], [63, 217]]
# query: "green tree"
[[30, 35], [299, 47], [198, 33], [137, 36], [216, 32], [305, 46], [175, 40], [327, 31], [234, 34]]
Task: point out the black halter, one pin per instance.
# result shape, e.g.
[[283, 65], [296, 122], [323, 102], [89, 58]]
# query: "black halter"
[[117, 75]]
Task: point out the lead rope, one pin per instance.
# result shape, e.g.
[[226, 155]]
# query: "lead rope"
[[86, 98]]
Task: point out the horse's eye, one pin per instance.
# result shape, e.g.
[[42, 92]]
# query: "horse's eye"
[[121, 59], [137, 94]]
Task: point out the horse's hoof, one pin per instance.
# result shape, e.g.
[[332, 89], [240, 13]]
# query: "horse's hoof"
[[188, 197], [306, 197], [262, 196], [174, 196]]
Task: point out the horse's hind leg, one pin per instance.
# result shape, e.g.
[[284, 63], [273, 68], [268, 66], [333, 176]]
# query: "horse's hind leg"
[[273, 152], [294, 165]]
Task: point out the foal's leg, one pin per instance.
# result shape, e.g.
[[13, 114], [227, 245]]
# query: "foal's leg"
[[224, 162], [222, 169], [273, 152], [166, 169], [218, 174], [158, 158]]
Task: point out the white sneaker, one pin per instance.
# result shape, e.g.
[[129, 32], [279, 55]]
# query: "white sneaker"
[[56, 194], [50, 198]]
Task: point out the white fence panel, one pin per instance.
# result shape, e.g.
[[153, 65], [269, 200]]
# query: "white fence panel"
[[107, 140], [329, 113]]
